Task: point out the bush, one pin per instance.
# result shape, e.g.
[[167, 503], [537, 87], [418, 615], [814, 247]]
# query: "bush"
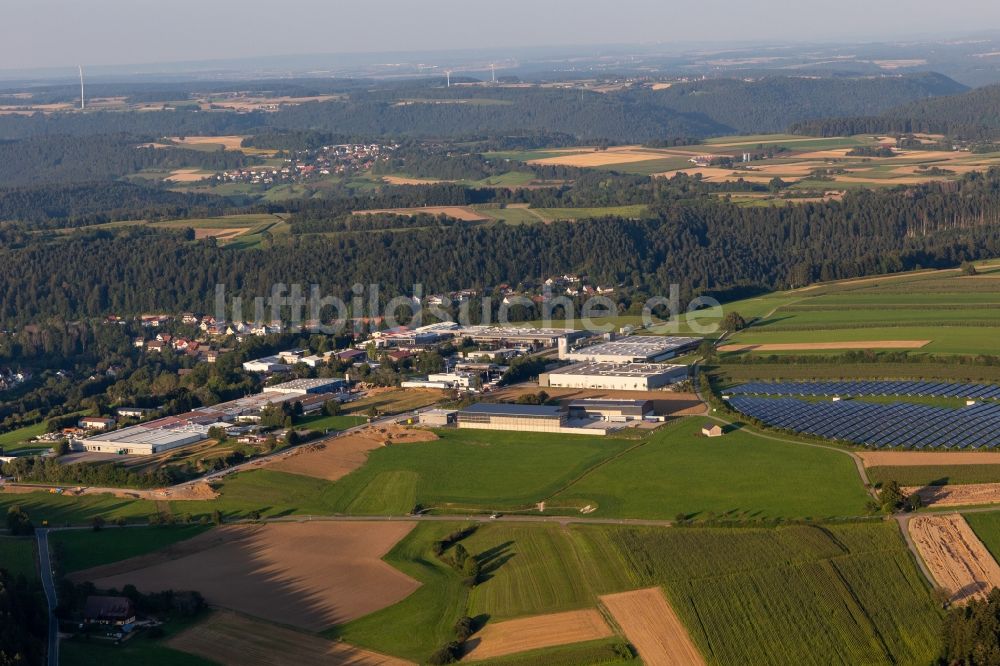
[[447, 654]]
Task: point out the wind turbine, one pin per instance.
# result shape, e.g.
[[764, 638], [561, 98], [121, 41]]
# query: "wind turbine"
[[83, 103], [493, 69], [447, 73]]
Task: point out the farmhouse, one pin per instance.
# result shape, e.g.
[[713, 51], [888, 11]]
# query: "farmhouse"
[[523, 418], [632, 349], [113, 611], [614, 376], [610, 410]]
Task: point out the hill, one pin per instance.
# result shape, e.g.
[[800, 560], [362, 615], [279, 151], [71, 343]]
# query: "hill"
[[773, 103], [972, 115]]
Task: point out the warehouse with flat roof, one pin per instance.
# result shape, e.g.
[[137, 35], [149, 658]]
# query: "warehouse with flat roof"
[[614, 376], [521, 418], [144, 441], [619, 411], [546, 337], [633, 349], [307, 386]]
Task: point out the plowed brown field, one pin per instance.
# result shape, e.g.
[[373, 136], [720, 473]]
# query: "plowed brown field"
[[311, 575], [956, 558]]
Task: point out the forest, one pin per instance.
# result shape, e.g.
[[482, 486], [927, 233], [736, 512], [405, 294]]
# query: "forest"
[[701, 244], [971, 116]]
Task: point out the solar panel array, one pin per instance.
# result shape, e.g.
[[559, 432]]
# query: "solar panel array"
[[880, 425], [863, 388]]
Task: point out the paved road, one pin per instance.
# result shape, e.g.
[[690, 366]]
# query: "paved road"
[[48, 584]]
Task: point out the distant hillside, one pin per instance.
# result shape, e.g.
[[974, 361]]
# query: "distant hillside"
[[772, 104], [974, 115]]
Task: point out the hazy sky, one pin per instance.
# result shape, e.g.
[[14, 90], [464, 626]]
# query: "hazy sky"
[[56, 33]]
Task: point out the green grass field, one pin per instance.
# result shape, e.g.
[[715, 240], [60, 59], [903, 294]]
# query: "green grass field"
[[16, 440], [468, 469], [60, 510], [17, 556], [782, 596], [323, 423], [76, 550], [986, 525], [677, 471], [956, 314], [850, 592]]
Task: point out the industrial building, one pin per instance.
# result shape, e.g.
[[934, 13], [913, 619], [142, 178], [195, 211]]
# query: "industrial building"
[[617, 411], [545, 337], [308, 386], [631, 349], [522, 418], [145, 440], [614, 376], [447, 380], [438, 418]]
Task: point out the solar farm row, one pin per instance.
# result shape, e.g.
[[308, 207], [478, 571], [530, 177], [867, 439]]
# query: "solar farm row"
[[863, 388], [879, 426]]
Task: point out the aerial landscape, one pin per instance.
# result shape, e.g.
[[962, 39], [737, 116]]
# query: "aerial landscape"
[[565, 334]]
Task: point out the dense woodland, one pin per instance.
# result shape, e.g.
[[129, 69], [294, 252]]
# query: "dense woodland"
[[972, 116], [701, 244]]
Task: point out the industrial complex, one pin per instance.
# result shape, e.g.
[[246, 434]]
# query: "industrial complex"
[[631, 349], [614, 376], [175, 431]]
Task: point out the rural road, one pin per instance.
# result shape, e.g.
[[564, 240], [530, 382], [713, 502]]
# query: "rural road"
[[49, 585]]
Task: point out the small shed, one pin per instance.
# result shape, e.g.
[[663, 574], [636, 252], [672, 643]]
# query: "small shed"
[[712, 430]]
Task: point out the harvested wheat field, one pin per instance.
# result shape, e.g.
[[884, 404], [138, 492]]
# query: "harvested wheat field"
[[928, 458], [337, 457], [310, 575], [956, 558], [187, 175], [229, 142], [652, 626], [600, 158], [814, 346], [463, 213], [402, 180], [957, 495], [539, 631], [235, 640]]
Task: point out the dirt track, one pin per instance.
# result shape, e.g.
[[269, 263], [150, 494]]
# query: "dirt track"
[[928, 458], [814, 346], [539, 631], [193, 491], [234, 640], [338, 457], [652, 626], [307, 575], [956, 558], [957, 495]]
